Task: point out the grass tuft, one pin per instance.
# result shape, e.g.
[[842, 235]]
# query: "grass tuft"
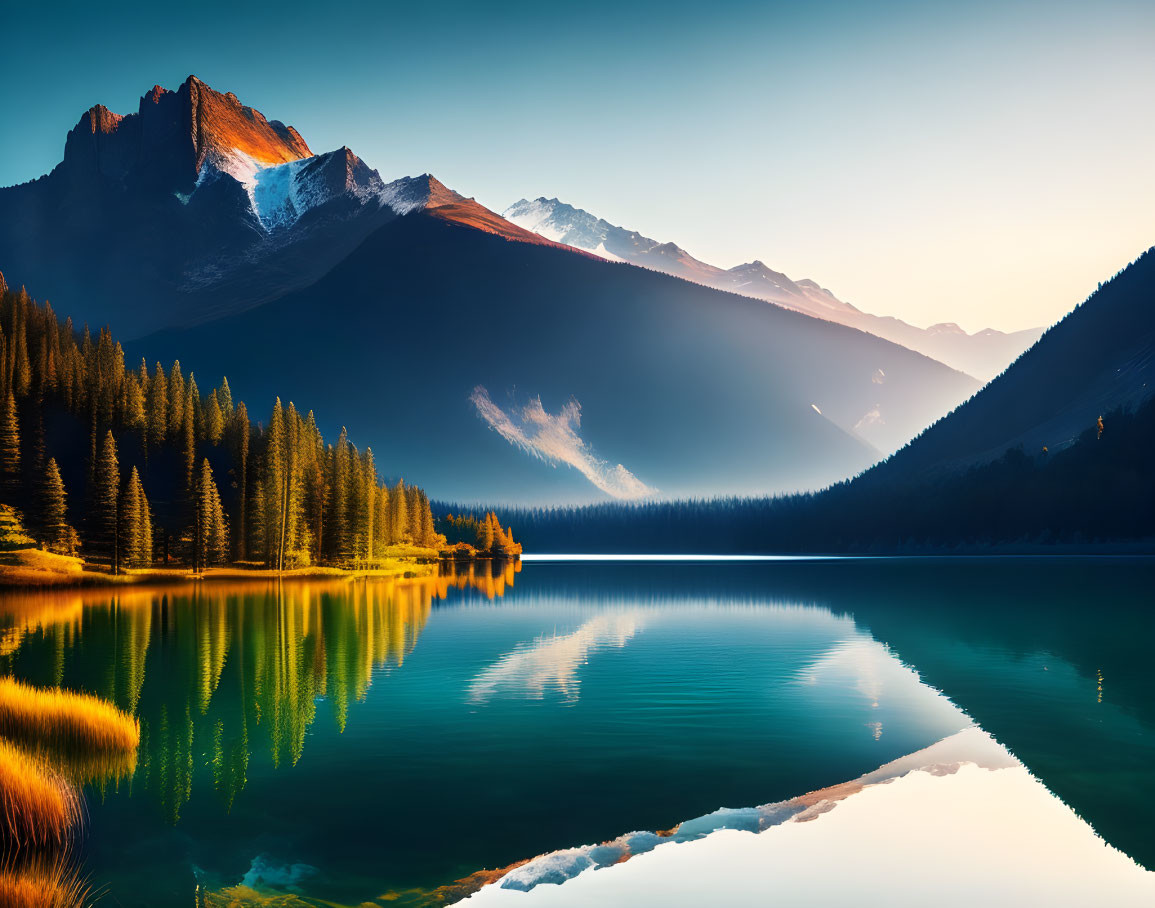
[[52, 885], [38, 808], [77, 729]]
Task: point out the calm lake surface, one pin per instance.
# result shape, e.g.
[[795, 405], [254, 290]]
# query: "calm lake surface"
[[376, 740]]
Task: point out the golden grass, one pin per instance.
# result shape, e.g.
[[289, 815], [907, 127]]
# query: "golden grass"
[[67, 724], [37, 806], [34, 572], [53, 885]]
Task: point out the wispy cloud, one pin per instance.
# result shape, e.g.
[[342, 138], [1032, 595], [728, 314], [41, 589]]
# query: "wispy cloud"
[[557, 439]]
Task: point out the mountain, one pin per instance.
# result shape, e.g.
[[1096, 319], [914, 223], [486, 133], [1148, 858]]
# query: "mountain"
[[196, 206], [983, 354], [486, 360], [1057, 449], [525, 373], [1099, 358]]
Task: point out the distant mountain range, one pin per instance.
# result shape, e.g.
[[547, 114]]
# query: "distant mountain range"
[[983, 354], [481, 359]]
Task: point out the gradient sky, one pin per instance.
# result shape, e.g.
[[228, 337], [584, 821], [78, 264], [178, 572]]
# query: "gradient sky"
[[984, 163]]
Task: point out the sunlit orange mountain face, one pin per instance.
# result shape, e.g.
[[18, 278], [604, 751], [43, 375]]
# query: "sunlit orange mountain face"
[[489, 361]]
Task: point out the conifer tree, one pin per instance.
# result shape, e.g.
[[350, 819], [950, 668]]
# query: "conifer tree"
[[368, 504], [21, 368], [106, 492], [399, 513], [425, 526], [55, 532], [485, 535], [214, 421], [12, 534], [255, 515], [10, 485], [135, 524], [188, 440], [210, 530], [341, 543], [239, 435], [193, 394], [380, 521], [225, 398], [275, 468], [134, 415], [176, 400], [157, 407]]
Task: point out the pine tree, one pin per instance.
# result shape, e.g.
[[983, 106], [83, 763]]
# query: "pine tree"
[[106, 492], [157, 407], [176, 400], [275, 469], [134, 414], [21, 368], [55, 532], [380, 521], [188, 440], [339, 529], [485, 535], [210, 531], [225, 398], [239, 439], [12, 534], [425, 526], [255, 516], [368, 504], [135, 524], [399, 513], [214, 421], [10, 485]]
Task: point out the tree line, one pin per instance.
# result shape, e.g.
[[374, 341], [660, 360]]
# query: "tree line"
[[1100, 488], [168, 472]]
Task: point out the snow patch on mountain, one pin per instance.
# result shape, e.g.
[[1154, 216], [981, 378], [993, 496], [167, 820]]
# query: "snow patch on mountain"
[[280, 194], [405, 195]]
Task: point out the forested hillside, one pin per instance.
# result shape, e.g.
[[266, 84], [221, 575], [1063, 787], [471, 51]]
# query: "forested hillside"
[[1099, 490], [136, 466]]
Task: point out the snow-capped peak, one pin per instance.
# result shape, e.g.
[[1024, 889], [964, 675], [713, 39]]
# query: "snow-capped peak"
[[280, 194], [418, 193]]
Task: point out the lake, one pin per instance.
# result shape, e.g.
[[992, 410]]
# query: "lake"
[[385, 742]]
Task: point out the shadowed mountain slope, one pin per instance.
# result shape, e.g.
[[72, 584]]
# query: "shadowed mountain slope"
[[681, 388], [526, 370]]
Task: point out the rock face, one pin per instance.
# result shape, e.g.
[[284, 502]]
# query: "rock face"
[[192, 206], [197, 206], [172, 136]]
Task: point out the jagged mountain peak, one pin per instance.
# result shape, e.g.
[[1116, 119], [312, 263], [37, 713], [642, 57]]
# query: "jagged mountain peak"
[[221, 124], [419, 193], [173, 135]]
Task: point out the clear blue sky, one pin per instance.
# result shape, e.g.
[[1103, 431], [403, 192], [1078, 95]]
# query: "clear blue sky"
[[984, 163]]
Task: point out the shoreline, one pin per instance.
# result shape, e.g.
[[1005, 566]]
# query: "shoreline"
[[36, 569]]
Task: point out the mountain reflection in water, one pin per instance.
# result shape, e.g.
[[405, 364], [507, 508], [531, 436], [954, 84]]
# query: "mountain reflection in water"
[[385, 742]]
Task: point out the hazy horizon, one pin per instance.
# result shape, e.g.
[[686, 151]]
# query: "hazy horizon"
[[984, 166]]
